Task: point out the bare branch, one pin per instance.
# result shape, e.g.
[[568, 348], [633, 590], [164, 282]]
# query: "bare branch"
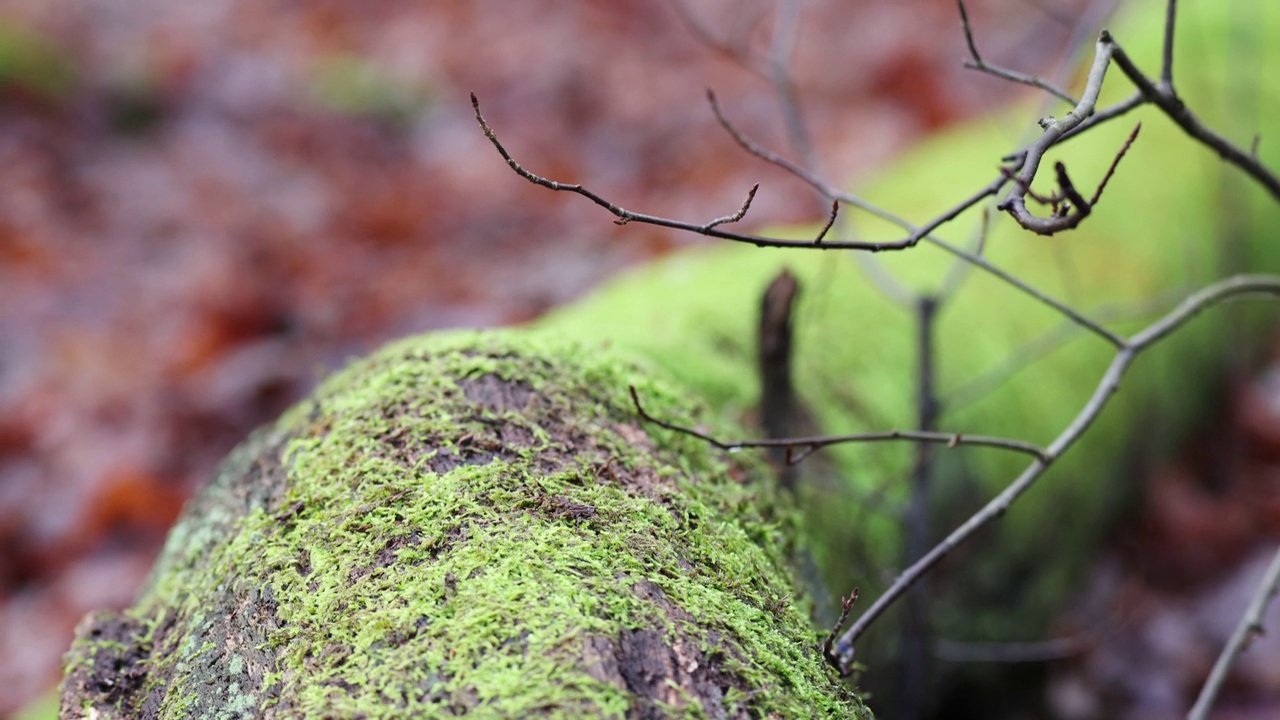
[[1166, 98], [1066, 310], [1055, 128], [625, 216], [1249, 627], [1069, 192], [807, 445], [1195, 304], [968, 33], [957, 273], [977, 63]]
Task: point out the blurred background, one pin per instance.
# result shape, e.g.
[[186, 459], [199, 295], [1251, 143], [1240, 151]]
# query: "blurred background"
[[205, 207]]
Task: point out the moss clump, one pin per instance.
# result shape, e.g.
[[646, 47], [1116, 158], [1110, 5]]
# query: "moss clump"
[[470, 524]]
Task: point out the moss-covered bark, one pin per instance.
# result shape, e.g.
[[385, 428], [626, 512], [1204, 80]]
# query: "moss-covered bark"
[[469, 524]]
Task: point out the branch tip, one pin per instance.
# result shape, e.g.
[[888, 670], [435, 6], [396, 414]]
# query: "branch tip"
[[831, 220]]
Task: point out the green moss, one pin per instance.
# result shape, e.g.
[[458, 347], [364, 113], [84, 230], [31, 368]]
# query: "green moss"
[[428, 545]]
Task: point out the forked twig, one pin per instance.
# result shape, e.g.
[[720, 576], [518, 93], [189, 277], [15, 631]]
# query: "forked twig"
[[846, 604], [710, 229]]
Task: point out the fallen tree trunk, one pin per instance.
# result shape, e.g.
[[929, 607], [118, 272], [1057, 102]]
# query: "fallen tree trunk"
[[469, 524]]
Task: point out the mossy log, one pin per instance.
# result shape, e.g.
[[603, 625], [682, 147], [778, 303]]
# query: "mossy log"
[[470, 525]]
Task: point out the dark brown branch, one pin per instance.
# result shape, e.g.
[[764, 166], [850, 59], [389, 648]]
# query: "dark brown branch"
[[799, 171], [1082, 206], [625, 216], [1115, 162]]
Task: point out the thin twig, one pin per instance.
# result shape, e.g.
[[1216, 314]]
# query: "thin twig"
[[1099, 117], [1115, 162], [815, 442], [846, 604], [1195, 304], [625, 216], [977, 63], [831, 220], [1083, 208], [1249, 627], [742, 212]]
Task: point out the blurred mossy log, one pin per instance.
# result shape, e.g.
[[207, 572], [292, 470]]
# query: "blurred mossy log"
[[470, 524]]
